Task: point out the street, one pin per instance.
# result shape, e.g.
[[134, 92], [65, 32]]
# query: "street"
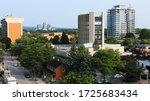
[[17, 70]]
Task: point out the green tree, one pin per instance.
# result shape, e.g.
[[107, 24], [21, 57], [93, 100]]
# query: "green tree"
[[132, 71], [133, 74], [78, 66], [129, 35], [56, 40], [64, 38], [130, 43], [112, 41], [21, 44], [77, 78], [107, 61], [79, 60], [33, 57], [7, 42], [40, 39], [145, 34], [138, 30], [145, 41]]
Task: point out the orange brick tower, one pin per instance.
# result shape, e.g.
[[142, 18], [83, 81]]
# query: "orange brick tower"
[[12, 27]]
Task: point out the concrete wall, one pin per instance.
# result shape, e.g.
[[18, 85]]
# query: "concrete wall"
[[115, 47]]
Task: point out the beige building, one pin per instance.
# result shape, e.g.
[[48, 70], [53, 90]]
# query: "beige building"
[[91, 28], [12, 27]]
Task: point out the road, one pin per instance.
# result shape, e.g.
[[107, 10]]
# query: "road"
[[17, 71]]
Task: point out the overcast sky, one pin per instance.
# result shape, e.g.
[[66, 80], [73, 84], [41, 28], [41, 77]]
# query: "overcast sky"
[[64, 13]]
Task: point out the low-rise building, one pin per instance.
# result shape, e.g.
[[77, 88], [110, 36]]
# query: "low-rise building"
[[50, 36], [144, 64], [54, 70], [115, 47], [142, 49]]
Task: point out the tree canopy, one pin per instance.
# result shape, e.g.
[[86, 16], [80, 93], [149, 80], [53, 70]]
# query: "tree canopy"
[[112, 41], [64, 39], [76, 78], [129, 35], [7, 42], [145, 34], [79, 67], [107, 61], [33, 52], [79, 59], [56, 40], [34, 56], [131, 70]]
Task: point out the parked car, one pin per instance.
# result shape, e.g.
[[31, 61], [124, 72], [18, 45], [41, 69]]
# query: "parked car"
[[11, 80], [15, 64], [102, 81], [118, 76], [27, 75]]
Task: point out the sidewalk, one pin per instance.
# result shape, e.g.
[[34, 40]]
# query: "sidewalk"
[[143, 82], [40, 81]]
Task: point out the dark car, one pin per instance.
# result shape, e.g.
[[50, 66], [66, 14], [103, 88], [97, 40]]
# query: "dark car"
[[27, 75]]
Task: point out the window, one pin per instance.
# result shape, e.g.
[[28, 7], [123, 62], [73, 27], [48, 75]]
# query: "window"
[[98, 19], [142, 65]]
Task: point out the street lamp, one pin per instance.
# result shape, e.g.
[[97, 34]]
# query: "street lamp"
[[146, 72]]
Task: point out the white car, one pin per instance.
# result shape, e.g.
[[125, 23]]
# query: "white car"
[[118, 76], [15, 64], [102, 81], [11, 80]]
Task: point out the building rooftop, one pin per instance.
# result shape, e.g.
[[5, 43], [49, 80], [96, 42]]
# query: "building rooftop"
[[54, 63]]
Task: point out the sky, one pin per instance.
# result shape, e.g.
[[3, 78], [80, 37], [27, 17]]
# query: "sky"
[[64, 13]]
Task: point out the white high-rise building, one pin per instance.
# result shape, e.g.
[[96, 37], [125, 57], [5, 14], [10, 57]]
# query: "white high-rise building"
[[120, 20], [91, 28]]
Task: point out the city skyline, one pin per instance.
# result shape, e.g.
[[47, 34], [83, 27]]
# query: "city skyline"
[[65, 13]]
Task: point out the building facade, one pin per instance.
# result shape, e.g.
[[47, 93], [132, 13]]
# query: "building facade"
[[12, 27], [120, 20], [91, 28], [54, 71]]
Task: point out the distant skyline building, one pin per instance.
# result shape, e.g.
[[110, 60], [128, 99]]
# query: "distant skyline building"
[[91, 28], [44, 26], [12, 27], [39, 27], [48, 27], [120, 20]]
